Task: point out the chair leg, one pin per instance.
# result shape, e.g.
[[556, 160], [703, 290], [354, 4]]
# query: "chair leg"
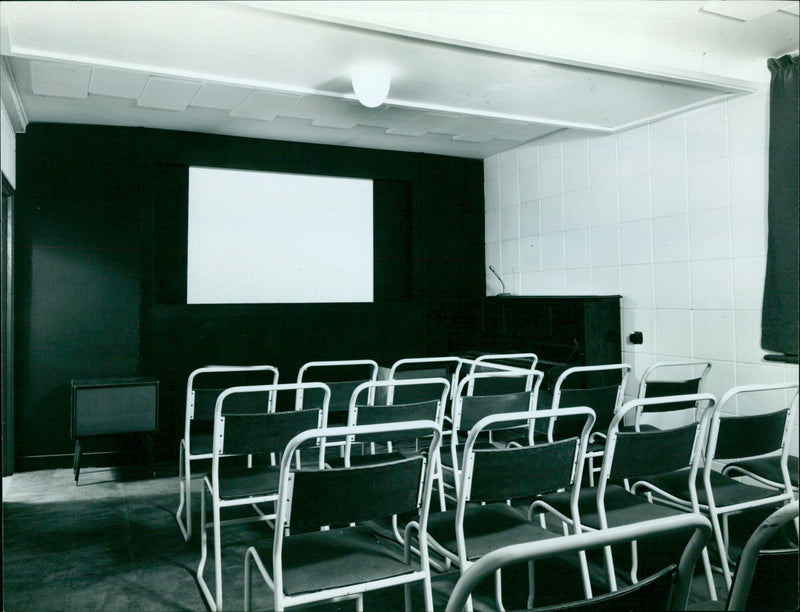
[[248, 580], [498, 590], [723, 551], [712, 589], [204, 555], [609, 560], [185, 499], [531, 584]]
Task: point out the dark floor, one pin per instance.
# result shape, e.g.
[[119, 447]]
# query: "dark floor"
[[112, 543]]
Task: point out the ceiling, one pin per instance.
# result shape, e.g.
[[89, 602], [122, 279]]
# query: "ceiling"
[[467, 78]]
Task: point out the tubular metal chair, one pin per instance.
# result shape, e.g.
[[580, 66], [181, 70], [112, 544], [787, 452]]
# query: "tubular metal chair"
[[304, 564], [331, 373], [639, 456], [262, 434], [766, 470], [468, 409], [589, 386], [657, 382], [483, 520], [198, 424], [422, 367], [666, 590], [732, 437], [767, 579]]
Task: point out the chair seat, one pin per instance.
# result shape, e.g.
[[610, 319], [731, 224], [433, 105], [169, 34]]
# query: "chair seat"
[[238, 483], [769, 468], [622, 507], [727, 491], [486, 528], [336, 558]]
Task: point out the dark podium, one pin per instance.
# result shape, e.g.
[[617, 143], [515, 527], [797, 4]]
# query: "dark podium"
[[107, 406]]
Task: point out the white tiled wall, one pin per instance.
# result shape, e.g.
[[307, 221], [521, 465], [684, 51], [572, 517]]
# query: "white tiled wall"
[[671, 215]]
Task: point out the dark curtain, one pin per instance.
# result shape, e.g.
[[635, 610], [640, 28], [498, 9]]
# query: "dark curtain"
[[779, 318]]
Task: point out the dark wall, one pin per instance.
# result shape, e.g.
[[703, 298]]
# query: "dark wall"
[[100, 254]]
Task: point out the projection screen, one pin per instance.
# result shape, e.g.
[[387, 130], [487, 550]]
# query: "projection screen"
[[266, 237]]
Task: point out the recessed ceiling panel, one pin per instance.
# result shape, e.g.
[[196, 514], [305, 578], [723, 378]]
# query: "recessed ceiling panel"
[[117, 83], [168, 94], [264, 105], [225, 97], [59, 79]]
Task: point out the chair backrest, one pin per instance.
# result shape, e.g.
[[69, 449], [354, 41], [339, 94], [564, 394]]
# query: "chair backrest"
[[468, 409], [381, 414], [670, 378], [521, 363], [516, 471], [422, 367], [237, 433], [314, 497], [767, 580], [625, 599], [732, 436], [605, 399], [641, 454], [205, 384], [341, 376]]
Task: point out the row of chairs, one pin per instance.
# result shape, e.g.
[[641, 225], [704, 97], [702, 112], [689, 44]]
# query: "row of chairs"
[[246, 423]]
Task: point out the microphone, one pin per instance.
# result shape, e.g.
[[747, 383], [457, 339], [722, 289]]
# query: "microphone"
[[502, 284]]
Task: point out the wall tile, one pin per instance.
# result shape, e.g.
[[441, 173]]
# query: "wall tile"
[[553, 251], [510, 255], [550, 147], [668, 145], [578, 282], [530, 257], [603, 160], [634, 199], [709, 184], [671, 238], [509, 188], [669, 192], [509, 222], [605, 281], [671, 281], [706, 133], [551, 177], [577, 248], [605, 245], [552, 214], [603, 203], [576, 209], [507, 162], [747, 325], [636, 242], [643, 320], [749, 177], [576, 164], [529, 183], [749, 230], [494, 255], [491, 193], [710, 234], [527, 155], [673, 333], [633, 153], [713, 332], [492, 225], [637, 285], [721, 377], [748, 282], [529, 219], [712, 284], [748, 120]]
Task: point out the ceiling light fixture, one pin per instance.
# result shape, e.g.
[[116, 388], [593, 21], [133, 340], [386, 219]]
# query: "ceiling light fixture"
[[371, 84]]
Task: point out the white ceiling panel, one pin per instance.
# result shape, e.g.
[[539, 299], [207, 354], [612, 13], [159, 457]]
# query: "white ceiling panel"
[[468, 78], [168, 94], [62, 80]]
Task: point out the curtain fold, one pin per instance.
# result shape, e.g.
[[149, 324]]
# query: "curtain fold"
[[779, 316]]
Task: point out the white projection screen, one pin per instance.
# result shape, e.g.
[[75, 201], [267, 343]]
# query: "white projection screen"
[[265, 237]]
